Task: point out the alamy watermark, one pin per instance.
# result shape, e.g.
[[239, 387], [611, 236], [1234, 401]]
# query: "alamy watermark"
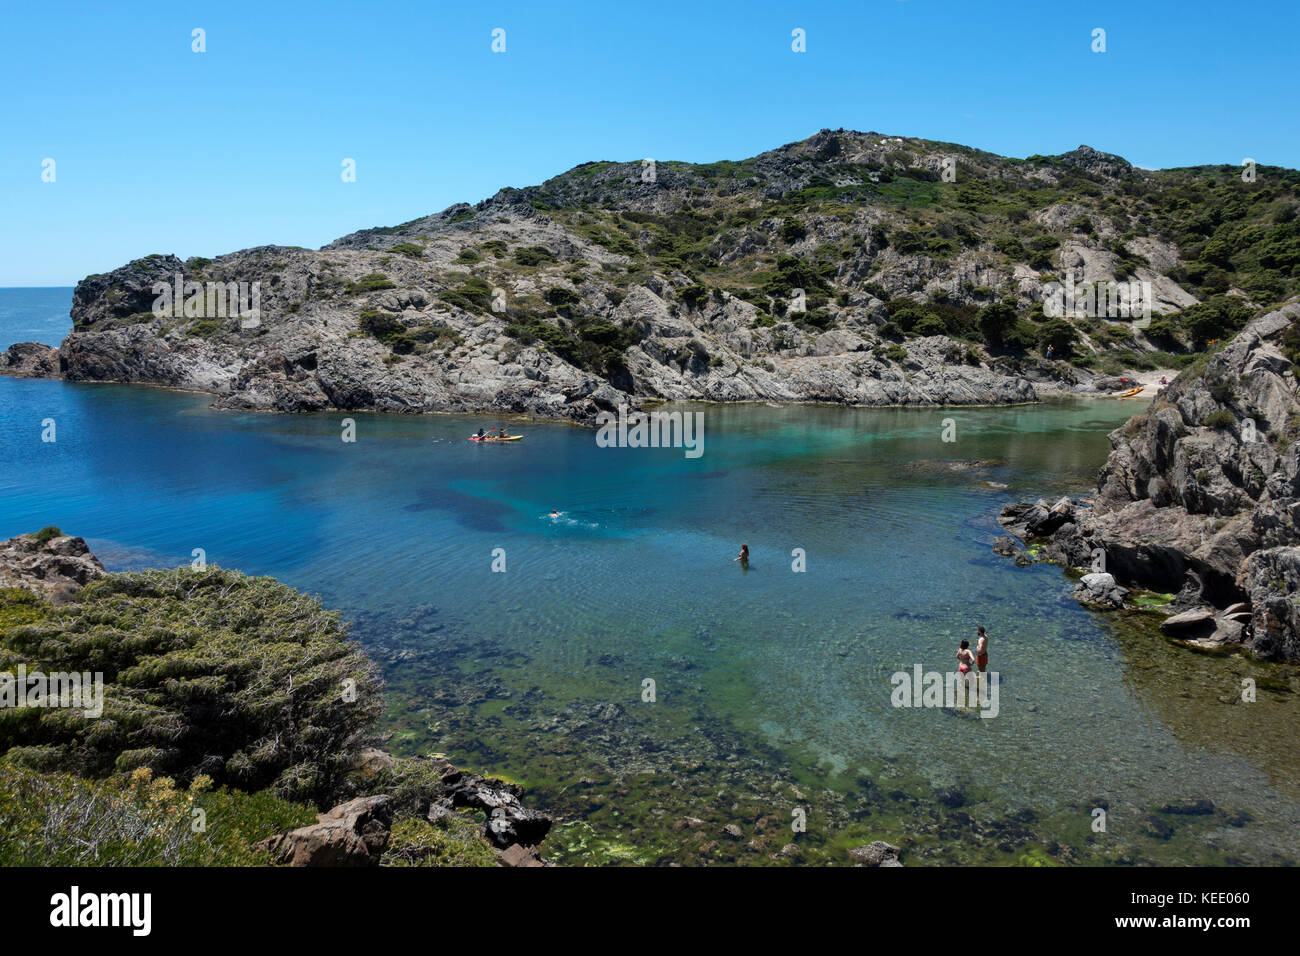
[[1093, 300], [652, 430], [82, 691], [211, 300], [953, 690]]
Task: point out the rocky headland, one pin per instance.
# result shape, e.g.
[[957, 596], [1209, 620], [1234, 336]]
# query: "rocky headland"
[[849, 268], [1199, 499]]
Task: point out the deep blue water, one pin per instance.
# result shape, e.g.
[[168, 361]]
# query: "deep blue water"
[[639, 565]]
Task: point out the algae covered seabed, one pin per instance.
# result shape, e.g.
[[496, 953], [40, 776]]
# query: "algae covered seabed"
[[634, 781]]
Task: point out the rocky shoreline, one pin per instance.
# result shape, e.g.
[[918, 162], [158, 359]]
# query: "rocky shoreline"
[[1199, 499]]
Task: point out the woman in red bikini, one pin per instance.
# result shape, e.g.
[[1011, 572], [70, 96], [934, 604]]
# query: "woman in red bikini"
[[965, 659]]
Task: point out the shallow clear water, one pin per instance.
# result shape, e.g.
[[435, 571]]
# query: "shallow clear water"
[[772, 687]]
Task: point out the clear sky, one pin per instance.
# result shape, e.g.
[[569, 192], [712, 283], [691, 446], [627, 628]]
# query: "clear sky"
[[161, 149]]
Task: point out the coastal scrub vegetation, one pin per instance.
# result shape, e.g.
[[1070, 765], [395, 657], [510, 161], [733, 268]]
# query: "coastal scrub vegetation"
[[234, 708], [206, 673]]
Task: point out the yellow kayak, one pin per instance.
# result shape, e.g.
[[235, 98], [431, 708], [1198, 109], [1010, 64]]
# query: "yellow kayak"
[[509, 438], [1131, 392]]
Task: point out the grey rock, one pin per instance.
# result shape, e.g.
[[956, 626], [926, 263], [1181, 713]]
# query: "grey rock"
[[876, 853], [54, 570], [1100, 590]]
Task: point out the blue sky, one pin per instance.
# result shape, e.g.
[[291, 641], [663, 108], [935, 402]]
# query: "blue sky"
[[160, 149]]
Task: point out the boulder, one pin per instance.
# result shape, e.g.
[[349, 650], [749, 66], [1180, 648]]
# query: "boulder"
[[352, 834], [54, 569], [876, 853], [1099, 589], [509, 821], [520, 856]]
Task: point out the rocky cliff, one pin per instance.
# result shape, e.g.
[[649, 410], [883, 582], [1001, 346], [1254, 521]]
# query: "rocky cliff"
[[849, 267], [1200, 496]]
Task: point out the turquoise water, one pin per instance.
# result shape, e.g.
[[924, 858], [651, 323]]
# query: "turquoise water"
[[772, 686]]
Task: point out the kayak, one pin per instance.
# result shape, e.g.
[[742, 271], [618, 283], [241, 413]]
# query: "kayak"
[[1131, 392], [511, 438]]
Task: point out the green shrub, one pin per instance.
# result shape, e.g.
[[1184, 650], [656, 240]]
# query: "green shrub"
[[694, 296], [472, 295], [1220, 419], [560, 297], [204, 328], [409, 249], [205, 672], [372, 282], [453, 840], [533, 255], [48, 533], [792, 230], [378, 324], [930, 325], [995, 321], [1060, 335]]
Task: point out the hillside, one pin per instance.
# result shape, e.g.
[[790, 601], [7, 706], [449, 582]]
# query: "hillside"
[[632, 282]]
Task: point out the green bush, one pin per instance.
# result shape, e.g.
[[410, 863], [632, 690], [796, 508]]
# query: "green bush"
[[930, 325], [694, 296], [1060, 335], [995, 321], [409, 249], [56, 819], [205, 673], [792, 230], [561, 297], [379, 324], [533, 255], [48, 533], [371, 282], [472, 295], [454, 840], [1220, 419]]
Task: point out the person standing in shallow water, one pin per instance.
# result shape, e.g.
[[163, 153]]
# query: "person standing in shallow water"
[[743, 557], [981, 651], [964, 657]]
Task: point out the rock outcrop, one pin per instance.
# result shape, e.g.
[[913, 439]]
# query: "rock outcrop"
[[509, 822], [30, 360], [601, 287], [352, 834], [52, 565], [1200, 497]]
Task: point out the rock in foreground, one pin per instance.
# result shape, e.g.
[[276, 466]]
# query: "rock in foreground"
[[51, 564]]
